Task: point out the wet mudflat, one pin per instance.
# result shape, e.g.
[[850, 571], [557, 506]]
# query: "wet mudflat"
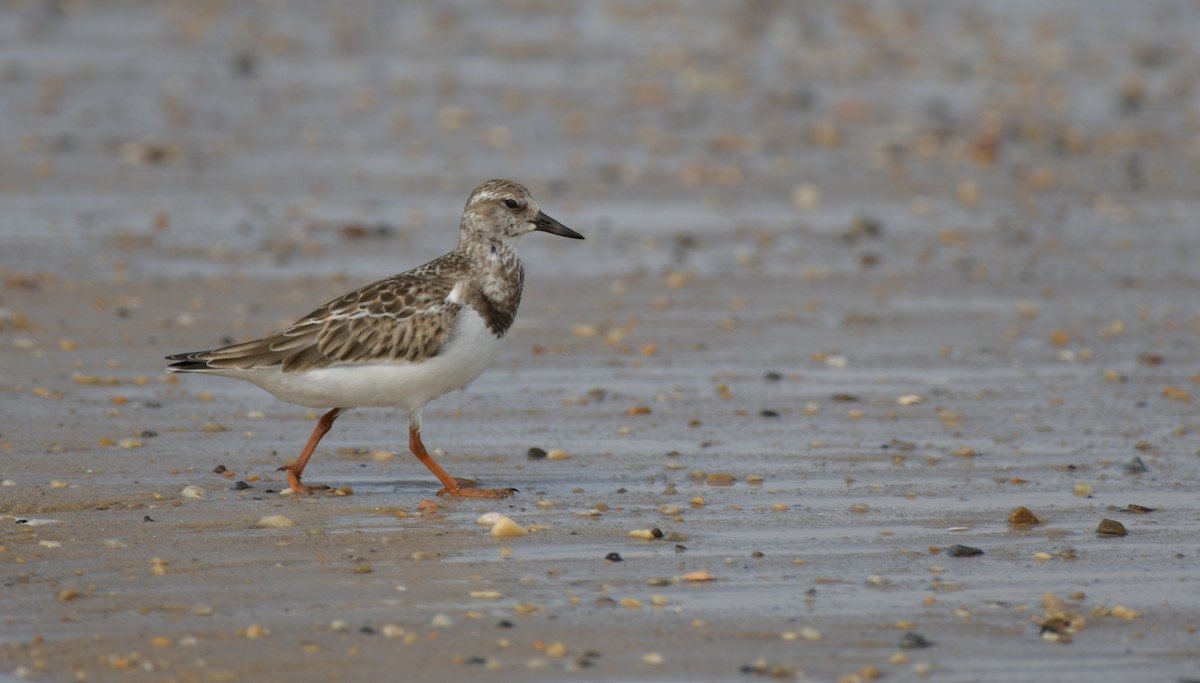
[[857, 285]]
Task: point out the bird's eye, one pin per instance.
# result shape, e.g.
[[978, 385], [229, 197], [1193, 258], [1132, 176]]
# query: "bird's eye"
[[511, 203]]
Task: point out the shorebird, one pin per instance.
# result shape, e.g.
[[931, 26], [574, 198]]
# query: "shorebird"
[[402, 341]]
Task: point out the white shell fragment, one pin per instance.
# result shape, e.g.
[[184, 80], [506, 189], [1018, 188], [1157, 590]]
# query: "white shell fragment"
[[193, 492], [506, 528], [488, 519], [275, 522]]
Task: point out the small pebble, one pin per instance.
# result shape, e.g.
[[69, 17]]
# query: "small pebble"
[[1111, 527], [958, 550], [1136, 466], [1023, 517], [536, 453], [614, 557], [912, 640]]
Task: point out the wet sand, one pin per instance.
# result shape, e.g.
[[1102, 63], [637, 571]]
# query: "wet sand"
[[857, 284]]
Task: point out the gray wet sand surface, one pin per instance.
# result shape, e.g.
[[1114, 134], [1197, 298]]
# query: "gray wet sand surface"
[[858, 282]]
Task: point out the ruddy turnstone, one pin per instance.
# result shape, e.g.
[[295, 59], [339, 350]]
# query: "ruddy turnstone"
[[403, 341]]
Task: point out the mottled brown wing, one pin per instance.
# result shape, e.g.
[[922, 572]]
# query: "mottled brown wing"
[[406, 317]]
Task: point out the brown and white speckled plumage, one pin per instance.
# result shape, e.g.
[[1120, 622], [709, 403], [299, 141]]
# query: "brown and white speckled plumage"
[[405, 340]]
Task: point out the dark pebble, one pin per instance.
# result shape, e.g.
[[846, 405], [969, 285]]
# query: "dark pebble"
[[241, 486], [476, 660], [958, 550], [773, 376], [912, 640], [149, 434], [1111, 527], [769, 413], [614, 557], [147, 519], [656, 532], [505, 623], [219, 469], [845, 398], [535, 453], [367, 630]]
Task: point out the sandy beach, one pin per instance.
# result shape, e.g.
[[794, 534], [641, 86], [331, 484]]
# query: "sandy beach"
[[859, 282]]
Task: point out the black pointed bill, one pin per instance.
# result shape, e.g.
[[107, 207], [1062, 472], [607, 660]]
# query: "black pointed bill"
[[548, 224]]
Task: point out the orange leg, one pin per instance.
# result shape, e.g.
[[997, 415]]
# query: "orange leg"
[[450, 487], [293, 470]]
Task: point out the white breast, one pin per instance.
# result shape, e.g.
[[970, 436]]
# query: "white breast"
[[471, 349]]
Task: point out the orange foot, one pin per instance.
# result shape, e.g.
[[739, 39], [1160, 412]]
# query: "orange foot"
[[297, 485], [466, 492]]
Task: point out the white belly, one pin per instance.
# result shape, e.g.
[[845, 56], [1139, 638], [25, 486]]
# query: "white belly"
[[471, 349]]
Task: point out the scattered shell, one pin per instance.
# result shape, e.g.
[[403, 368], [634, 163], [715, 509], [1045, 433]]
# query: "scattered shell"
[[1125, 613], [257, 631], [1176, 394], [669, 509], [68, 594], [1083, 490], [652, 658], [193, 492], [488, 519], [506, 528], [441, 621], [275, 522], [720, 479], [908, 400], [487, 595], [697, 576], [50, 544], [644, 534], [392, 631], [1111, 527], [557, 454]]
